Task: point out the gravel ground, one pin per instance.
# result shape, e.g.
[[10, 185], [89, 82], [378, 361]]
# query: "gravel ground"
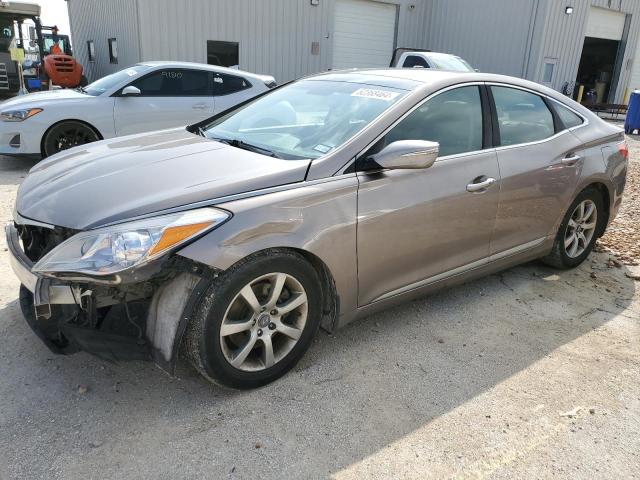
[[531, 373], [623, 235]]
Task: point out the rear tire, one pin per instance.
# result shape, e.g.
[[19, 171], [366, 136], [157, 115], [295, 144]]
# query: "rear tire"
[[578, 231], [67, 134], [274, 332]]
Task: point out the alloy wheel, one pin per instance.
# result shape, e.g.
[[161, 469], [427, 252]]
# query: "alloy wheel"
[[581, 228], [264, 322]]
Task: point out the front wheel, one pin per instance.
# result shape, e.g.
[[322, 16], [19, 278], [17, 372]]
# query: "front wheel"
[[67, 134], [256, 320], [578, 231]]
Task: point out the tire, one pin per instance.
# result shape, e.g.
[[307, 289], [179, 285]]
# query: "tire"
[[212, 350], [562, 255], [67, 134]]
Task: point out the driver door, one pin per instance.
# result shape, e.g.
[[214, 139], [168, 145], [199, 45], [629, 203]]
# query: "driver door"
[[169, 97], [417, 226]]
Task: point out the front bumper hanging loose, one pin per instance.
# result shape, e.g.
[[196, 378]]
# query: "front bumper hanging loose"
[[45, 291]]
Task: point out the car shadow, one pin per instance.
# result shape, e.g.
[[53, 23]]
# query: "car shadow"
[[354, 393], [15, 169]]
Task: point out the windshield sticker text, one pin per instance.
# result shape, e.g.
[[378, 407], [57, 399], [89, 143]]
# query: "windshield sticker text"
[[375, 93]]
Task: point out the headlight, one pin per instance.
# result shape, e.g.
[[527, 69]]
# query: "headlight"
[[113, 249], [19, 115]]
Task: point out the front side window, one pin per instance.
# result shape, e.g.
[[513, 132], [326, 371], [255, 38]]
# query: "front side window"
[[523, 117], [453, 119], [175, 82], [567, 117], [306, 119]]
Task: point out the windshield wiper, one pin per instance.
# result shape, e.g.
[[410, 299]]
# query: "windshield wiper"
[[245, 146]]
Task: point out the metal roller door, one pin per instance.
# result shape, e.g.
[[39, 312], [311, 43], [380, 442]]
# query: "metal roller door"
[[364, 34]]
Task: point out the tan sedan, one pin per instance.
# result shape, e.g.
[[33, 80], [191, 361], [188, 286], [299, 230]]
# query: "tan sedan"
[[319, 202]]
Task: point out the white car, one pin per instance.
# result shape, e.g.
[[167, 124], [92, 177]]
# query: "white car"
[[145, 97], [428, 59]]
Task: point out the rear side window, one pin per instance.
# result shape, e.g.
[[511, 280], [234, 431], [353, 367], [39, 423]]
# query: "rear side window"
[[523, 117], [568, 118], [414, 61], [172, 82], [224, 84], [453, 119]]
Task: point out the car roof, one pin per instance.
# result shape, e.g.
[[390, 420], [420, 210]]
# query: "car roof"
[[204, 66], [427, 80], [414, 78]]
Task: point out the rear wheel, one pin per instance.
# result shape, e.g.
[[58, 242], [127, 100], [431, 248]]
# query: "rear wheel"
[[256, 320], [578, 231], [67, 134]]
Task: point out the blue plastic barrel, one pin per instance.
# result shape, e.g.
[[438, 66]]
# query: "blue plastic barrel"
[[632, 122]]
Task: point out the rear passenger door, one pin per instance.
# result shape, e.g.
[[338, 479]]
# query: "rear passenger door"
[[169, 97], [540, 162]]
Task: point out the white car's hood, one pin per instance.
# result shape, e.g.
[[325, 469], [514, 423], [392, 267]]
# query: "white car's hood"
[[40, 99]]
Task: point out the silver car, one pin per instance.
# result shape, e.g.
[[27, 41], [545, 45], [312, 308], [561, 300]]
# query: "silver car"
[[320, 202]]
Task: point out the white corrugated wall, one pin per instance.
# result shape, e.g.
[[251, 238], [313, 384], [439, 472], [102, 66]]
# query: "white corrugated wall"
[[275, 36], [99, 20]]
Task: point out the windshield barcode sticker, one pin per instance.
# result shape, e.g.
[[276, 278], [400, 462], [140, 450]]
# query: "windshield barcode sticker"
[[375, 93]]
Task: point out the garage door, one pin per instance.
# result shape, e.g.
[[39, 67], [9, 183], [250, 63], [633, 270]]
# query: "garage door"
[[603, 23], [363, 34]]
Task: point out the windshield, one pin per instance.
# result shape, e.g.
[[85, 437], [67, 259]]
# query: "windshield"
[[451, 63], [306, 119], [107, 83]]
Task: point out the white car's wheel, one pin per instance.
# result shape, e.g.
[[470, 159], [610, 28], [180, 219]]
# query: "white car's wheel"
[[67, 134]]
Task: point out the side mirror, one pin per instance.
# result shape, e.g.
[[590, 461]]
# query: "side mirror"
[[130, 91], [405, 154]]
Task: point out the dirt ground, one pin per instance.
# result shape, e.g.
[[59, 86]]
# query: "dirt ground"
[[530, 373]]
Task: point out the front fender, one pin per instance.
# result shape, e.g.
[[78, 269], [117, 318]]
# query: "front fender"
[[317, 217]]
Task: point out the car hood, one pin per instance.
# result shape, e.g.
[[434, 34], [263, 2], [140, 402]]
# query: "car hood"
[[121, 178], [42, 99]]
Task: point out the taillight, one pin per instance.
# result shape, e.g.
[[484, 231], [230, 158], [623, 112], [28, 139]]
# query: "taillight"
[[624, 150]]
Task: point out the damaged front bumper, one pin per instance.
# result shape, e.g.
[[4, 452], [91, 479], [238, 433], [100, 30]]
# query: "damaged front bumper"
[[144, 319]]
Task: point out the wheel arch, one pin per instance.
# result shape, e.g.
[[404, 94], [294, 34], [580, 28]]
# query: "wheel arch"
[[330, 298], [605, 194], [44, 135]]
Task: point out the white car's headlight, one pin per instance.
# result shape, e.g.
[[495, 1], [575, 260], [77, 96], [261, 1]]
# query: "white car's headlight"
[[19, 115], [113, 249]]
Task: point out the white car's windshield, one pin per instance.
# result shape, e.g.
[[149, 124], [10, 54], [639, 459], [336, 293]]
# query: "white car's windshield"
[[107, 83], [306, 119], [450, 63]]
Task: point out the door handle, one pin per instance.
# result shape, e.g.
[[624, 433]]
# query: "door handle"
[[199, 106], [570, 160], [479, 184]]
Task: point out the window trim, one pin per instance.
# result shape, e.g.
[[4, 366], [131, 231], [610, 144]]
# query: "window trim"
[[355, 160], [544, 96], [118, 93]]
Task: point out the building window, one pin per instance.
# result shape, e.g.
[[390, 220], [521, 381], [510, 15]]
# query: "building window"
[[91, 51], [549, 70], [113, 50], [224, 54]]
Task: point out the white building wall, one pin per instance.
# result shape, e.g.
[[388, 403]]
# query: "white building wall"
[[99, 20]]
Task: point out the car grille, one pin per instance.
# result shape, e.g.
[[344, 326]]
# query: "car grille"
[[38, 241]]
